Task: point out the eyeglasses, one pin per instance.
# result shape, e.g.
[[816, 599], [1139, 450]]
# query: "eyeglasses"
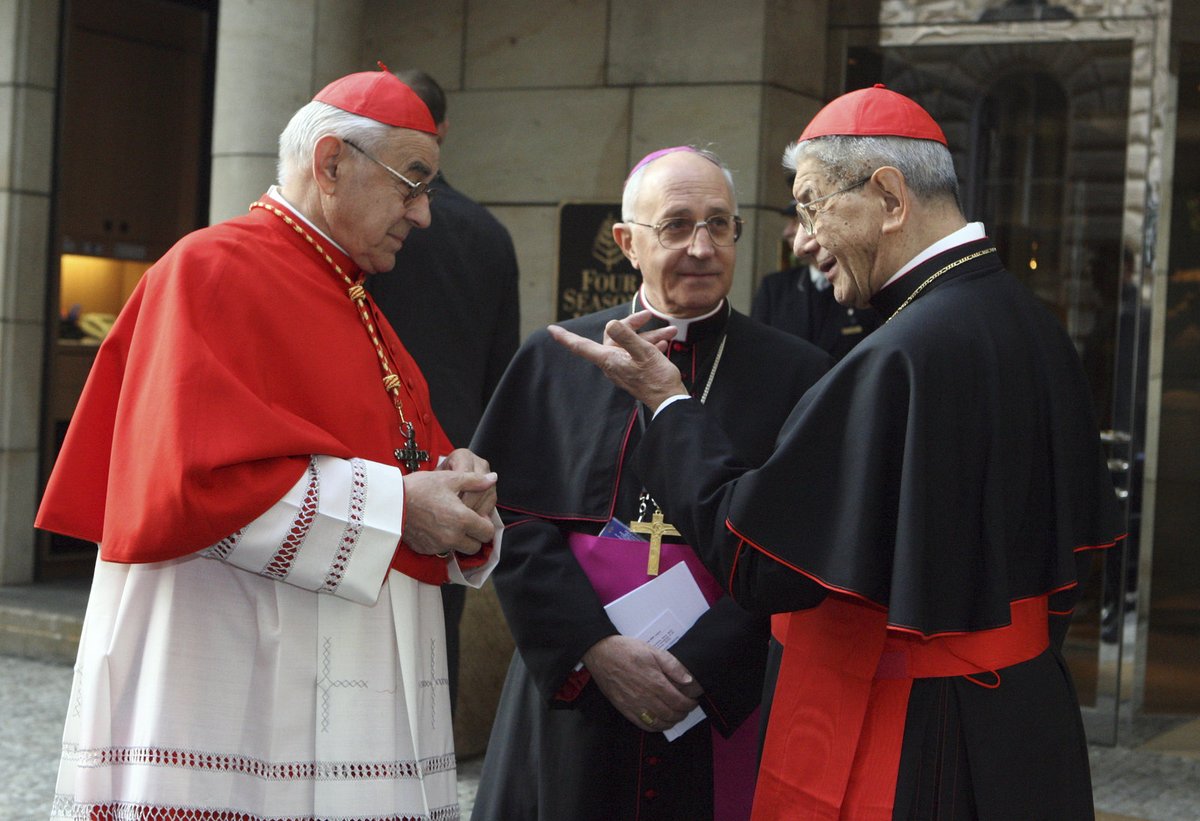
[[807, 211], [679, 232], [415, 189]]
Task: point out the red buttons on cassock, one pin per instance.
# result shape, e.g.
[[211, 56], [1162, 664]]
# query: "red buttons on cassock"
[[649, 795], [652, 760]]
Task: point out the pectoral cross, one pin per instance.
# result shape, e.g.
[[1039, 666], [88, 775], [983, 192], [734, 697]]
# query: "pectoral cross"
[[657, 528], [408, 455]]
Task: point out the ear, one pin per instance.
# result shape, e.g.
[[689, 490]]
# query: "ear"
[[623, 234], [442, 128], [896, 199], [328, 153]]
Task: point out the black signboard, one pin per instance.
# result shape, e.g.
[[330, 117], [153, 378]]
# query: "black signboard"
[[592, 272]]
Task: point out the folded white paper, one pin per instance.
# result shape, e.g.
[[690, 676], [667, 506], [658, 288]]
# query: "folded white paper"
[[659, 612]]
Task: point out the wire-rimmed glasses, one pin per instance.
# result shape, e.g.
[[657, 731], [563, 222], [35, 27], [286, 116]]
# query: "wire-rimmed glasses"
[[807, 211], [675, 233], [415, 189]]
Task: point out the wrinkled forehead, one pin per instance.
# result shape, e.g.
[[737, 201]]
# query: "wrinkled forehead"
[[411, 152], [812, 178]]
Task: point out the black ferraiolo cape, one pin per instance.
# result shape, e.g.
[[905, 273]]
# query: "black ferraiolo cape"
[[558, 433], [949, 465]]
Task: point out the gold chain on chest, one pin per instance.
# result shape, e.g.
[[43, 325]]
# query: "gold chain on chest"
[[934, 276], [358, 295]]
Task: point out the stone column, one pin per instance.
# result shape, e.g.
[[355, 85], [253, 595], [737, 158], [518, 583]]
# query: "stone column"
[[28, 77], [272, 56]]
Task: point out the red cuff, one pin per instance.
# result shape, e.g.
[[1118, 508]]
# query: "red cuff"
[[479, 559], [428, 569], [573, 686]]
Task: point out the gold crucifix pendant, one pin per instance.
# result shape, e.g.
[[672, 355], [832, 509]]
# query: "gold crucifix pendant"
[[657, 528]]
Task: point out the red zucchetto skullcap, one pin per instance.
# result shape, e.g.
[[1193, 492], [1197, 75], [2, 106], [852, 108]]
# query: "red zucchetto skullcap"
[[380, 96], [874, 112]]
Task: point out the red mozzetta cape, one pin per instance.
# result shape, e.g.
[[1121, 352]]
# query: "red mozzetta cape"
[[238, 356]]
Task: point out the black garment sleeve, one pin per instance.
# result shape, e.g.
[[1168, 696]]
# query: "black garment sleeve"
[[726, 650], [688, 465], [506, 334], [549, 603]]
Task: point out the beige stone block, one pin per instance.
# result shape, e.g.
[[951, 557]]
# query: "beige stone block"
[[795, 44], [237, 181], [519, 44], [7, 126], [685, 41], [784, 116], [340, 25], [20, 384], [9, 37], [722, 118], [32, 146], [37, 62], [424, 34], [29, 41], [539, 146], [24, 237], [263, 74], [534, 232], [485, 649], [18, 502]]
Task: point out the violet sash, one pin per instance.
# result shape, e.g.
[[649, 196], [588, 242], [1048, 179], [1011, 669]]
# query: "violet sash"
[[617, 566]]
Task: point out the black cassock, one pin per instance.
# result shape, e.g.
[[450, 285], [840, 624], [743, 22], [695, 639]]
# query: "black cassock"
[[950, 466], [559, 434]]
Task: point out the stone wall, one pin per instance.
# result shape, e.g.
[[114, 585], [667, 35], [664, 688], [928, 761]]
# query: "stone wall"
[[28, 57]]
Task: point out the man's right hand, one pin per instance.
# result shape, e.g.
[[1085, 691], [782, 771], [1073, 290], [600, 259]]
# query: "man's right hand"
[[435, 518], [649, 686]]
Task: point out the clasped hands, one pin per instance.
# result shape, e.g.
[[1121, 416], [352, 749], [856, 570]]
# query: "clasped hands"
[[647, 685], [632, 361], [450, 508]]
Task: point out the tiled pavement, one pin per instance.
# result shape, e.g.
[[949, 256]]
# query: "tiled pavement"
[[1153, 776], [1136, 783]]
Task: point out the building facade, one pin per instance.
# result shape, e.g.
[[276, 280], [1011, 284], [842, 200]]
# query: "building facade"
[[1074, 127]]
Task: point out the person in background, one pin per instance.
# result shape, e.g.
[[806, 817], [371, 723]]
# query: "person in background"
[[928, 514], [256, 455], [799, 300], [580, 731], [453, 298]]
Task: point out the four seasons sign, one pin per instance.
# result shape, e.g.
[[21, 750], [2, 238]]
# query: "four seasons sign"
[[592, 272]]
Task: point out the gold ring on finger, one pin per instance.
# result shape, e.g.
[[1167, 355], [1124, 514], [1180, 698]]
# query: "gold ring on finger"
[[646, 718]]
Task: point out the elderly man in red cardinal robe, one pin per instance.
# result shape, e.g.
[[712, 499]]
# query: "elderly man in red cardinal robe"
[[276, 507]]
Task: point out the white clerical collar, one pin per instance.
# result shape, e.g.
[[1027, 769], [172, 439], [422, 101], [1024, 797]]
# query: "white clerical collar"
[[968, 233], [680, 323], [818, 279], [274, 193]]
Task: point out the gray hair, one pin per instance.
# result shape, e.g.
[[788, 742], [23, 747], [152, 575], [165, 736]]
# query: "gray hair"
[[926, 165], [314, 121], [633, 185]]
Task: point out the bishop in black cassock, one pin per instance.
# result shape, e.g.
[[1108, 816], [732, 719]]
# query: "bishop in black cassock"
[[561, 436]]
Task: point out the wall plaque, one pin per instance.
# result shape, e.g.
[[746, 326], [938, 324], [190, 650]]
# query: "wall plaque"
[[592, 272]]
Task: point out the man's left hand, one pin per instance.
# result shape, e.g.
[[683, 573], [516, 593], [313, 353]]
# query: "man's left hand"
[[461, 459], [631, 361]]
